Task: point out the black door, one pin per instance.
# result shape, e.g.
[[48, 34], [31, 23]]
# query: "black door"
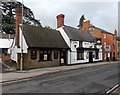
[[63, 58], [90, 57]]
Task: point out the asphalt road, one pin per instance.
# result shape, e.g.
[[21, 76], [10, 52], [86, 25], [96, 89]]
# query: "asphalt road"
[[89, 80]]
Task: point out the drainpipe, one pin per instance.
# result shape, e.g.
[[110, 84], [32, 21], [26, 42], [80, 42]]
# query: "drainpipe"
[[70, 51]]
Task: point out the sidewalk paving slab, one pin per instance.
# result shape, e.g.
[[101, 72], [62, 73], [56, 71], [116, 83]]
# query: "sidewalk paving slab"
[[28, 74]]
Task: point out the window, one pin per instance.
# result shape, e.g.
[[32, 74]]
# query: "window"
[[56, 55], [33, 54], [91, 29], [113, 45], [80, 55], [104, 35], [113, 37], [4, 51], [45, 55], [104, 44], [97, 54], [118, 54], [118, 44]]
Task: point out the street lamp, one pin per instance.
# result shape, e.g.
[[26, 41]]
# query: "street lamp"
[[21, 62]]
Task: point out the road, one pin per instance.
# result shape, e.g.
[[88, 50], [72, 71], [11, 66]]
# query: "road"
[[89, 80]]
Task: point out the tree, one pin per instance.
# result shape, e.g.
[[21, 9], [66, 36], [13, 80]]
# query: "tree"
[[8, 16], [81, 21], [48, 27]]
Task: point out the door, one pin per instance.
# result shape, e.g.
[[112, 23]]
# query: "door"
[[90, 57], [110, 55], [63, 58]]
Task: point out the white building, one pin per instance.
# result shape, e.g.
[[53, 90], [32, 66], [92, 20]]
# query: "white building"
[[83, 46], [6, 41]]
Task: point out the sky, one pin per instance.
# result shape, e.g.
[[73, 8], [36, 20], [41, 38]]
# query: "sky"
[[101, 13]]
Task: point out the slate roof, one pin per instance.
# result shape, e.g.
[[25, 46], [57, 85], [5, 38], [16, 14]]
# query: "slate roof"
[[40, 37], [77, 34], [101, 29]]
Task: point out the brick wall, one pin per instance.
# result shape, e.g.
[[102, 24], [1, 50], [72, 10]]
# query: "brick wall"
[[100, 34], [30, 64], [118, 50]]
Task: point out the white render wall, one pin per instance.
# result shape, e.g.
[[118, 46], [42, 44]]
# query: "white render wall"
[[64, 35], [73, 45], [5, 43], [14, 50], [86, 57], [25, 46], [88, 44]]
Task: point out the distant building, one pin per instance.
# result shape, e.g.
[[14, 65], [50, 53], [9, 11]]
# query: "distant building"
[[83, 46], [118, 48], [6, 41], [107, 39]]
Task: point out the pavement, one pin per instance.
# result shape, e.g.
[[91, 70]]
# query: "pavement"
[[28, 74]]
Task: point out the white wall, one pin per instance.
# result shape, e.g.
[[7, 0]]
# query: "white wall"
[[72, 55], [5, 43], [14, 53], [64, 35], [74, 45], [25, 46], [100, 53], [88, 44], [14, 50]]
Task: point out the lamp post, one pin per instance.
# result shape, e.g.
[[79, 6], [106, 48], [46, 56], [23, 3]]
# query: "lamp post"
[[21, 61]]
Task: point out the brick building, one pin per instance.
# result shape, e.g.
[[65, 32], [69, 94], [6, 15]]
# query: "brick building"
[[6, 41], [107, 39], [118, 48]]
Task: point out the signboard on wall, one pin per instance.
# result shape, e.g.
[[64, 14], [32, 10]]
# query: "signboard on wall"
[[107, 48], [99, 42]]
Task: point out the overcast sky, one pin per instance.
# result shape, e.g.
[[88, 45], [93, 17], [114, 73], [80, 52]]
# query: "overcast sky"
[[101, 14]]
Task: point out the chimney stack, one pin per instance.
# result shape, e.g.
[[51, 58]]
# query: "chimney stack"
[[60, 20], [18, 22], [86, 24], [115, 32]]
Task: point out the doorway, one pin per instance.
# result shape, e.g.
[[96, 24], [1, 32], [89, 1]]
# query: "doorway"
[[63, 58], [90, 57]]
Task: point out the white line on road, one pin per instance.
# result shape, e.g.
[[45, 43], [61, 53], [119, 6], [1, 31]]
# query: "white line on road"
[[6, 65], [109, 91]]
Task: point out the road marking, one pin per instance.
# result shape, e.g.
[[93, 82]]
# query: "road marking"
[[109, 91], [6, 65]]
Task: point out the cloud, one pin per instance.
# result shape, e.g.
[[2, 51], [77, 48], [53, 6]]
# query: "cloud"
[[101, 14]]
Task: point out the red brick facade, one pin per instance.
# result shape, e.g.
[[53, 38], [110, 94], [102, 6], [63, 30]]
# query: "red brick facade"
[[107, 39]]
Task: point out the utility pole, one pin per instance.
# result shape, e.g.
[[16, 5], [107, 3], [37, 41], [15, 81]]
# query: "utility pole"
[[21, 61]]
